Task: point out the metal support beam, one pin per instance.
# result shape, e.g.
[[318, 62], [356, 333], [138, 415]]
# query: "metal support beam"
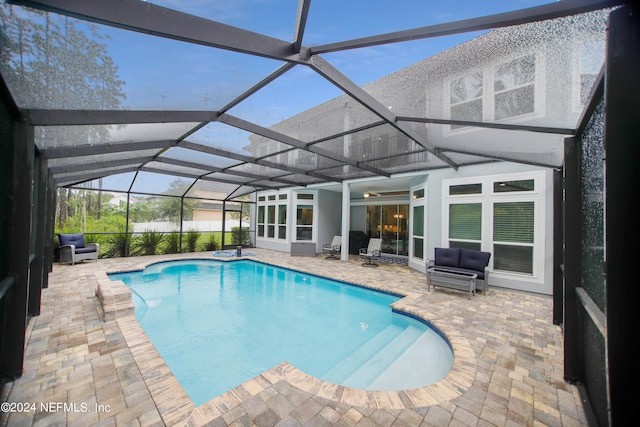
[[622, 230], [397, 155], [246, 159], [572, 260], [149, 18], [187, 175], [347, 132], [248, 176], [488, 125], [37, 271], [506, 19], [285, 139], [38, 117], [338, 79], [301, 23], [505, 158], [236, 193], [240, 184], [91, 150], [77, 178], [89, 167], [558, 248], [345, 221], [127, 236], [253, 89], [595, 97], [19, 224], [51, 207]]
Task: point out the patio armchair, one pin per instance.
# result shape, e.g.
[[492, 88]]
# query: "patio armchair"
[[73, 249], [332, 248], [371, 252]]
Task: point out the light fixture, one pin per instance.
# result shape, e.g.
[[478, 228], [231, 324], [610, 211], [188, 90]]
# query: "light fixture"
[[366, 194]]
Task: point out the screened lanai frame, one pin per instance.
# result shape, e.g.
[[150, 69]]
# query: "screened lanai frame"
[[28, 119], [246, 153]]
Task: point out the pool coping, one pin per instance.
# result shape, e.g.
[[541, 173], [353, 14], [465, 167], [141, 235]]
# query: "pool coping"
[[176, 407]]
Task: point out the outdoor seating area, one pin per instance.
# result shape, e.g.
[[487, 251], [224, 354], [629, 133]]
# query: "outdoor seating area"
[[74, 249], [332, 248], [459, 268], [371, 252]]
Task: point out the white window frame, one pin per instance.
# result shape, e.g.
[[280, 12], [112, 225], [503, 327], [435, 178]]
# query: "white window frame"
[[294, 215], [481, 97], [280, 204], [535, 84], [487, 199], [488, 92], [576, 71], [276, 203], [418, 202]]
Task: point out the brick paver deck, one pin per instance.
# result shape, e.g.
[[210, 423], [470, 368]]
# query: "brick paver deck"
[[88, 362]]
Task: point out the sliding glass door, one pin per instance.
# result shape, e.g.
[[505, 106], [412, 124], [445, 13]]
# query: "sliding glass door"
[[390, 222]]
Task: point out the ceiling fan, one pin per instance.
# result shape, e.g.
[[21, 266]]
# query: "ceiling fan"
[[369, 193]]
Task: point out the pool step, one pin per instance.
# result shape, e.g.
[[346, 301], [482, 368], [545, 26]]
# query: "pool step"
[[421, 364], [366, 374], [355, 360]]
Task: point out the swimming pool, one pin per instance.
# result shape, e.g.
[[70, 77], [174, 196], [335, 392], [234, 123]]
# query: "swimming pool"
[[217, 324]]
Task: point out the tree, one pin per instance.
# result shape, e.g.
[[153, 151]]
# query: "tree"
[[53, 61], [169, 207], [56, 62]]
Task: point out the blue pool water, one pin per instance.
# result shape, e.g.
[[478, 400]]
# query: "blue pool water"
[[217, 324]]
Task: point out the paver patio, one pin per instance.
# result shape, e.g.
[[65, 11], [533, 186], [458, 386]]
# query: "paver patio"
[[86, 365]]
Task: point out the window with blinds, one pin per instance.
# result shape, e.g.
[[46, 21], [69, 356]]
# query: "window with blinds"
[[465, 225], [502, 214], [513, 236], [457, 190]]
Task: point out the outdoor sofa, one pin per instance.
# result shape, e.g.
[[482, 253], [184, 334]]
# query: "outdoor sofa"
[[459, 268], [73, 248]]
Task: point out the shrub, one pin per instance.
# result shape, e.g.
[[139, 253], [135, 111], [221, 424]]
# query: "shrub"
[[116, 246], [192, 240], [211, 244], [148, 242], [239, 236], [173, 243]]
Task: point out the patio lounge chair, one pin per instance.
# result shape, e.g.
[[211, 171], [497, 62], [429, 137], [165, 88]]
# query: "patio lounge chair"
[[370, 252], [73, 248], [332, 248]]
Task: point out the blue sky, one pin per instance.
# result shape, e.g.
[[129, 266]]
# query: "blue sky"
[[165, 74]]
